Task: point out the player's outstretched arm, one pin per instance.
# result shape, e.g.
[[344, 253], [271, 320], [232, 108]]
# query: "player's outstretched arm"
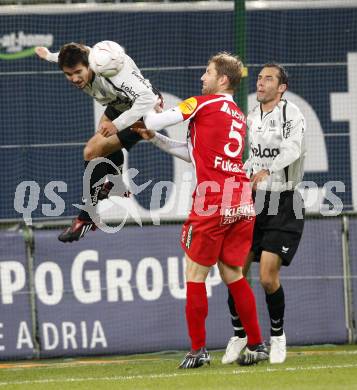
[[158, 121], [43, 53], [171, 146]]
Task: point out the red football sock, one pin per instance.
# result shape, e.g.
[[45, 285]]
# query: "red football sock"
[[245, 305], [196, 313]]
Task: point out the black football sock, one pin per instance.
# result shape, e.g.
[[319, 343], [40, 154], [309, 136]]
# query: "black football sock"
[[83, 215], [276, 308], [99, 172], [118, 159], [236, 323]]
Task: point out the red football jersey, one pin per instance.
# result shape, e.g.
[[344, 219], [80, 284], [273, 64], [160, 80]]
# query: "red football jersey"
[[216, 142]]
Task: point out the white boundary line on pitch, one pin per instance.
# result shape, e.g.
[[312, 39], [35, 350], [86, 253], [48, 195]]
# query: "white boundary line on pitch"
[[79, 363], [165, 376]]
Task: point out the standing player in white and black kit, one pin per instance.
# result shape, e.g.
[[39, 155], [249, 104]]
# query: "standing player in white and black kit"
[[275, 166], [127, 95]]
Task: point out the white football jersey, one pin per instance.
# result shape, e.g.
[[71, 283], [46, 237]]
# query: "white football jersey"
[[277, 143], [128, 92]]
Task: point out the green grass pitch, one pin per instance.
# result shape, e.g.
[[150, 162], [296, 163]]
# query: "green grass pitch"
[[318, 367]]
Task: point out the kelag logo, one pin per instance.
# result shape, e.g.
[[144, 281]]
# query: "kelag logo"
[[14, 46]]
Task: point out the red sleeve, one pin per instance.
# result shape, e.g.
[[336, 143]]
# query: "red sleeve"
[[190, 106]]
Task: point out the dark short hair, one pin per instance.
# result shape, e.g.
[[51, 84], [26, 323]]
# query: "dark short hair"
[[283, 74], [230, 65], [73, 54]]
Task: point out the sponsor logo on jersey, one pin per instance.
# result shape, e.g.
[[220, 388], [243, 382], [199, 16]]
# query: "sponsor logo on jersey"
[[141, 79], [236, 213], [129, 90], [266, 152], [188, 106], [226, 165], [246, 210], [21, 45]]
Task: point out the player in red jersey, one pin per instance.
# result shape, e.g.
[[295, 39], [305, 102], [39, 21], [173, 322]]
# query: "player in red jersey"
[[220, 225]]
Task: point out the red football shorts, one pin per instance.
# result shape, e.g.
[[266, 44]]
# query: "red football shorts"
[[207, 239]]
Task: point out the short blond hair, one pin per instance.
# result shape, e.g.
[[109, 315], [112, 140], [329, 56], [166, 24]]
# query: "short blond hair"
[[230, 65]]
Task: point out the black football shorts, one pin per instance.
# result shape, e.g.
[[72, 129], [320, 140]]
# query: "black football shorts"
[[279, 225], [126, 137]]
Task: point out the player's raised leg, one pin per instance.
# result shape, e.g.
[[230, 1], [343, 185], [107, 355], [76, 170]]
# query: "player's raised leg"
[[97, 147]]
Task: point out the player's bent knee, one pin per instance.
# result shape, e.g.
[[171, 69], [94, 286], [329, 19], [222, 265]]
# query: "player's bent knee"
[[87, 153], [90, 153], [269, 285]]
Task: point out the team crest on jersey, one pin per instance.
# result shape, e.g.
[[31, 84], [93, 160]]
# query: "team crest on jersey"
[[272, 125], [188, 106]]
